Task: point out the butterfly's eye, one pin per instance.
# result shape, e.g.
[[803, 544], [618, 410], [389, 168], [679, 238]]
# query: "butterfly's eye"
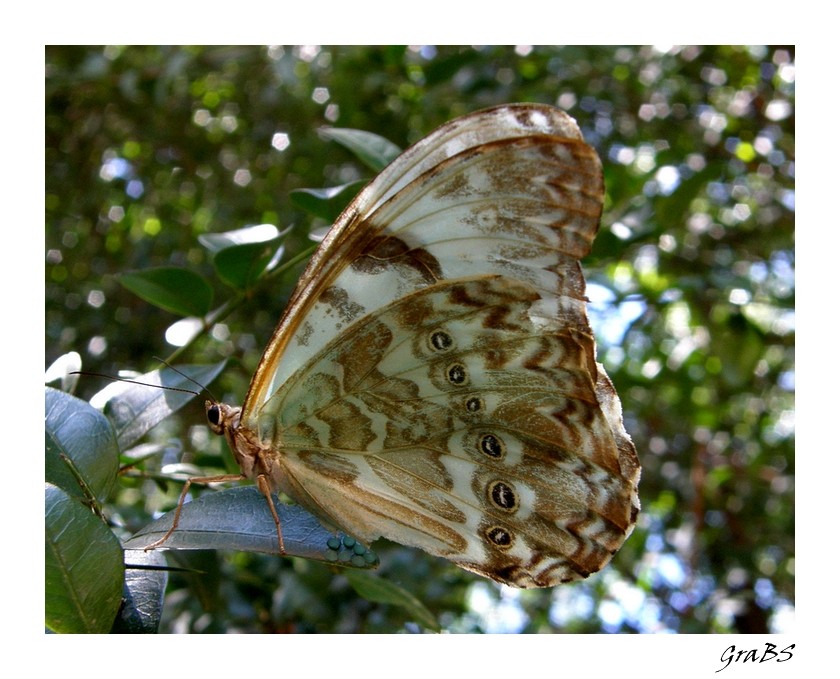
[[214, 415]]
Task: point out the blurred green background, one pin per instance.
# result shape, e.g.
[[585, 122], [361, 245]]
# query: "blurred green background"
[[692, 283]]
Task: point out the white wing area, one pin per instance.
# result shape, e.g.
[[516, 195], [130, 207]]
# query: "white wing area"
[[470, 131]]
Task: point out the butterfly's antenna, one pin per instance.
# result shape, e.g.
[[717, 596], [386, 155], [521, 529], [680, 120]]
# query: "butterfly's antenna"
[[156, 386], [187, 377], [142, 384]]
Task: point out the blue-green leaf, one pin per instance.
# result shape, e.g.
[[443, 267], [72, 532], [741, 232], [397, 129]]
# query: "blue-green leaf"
[[145, 585], [81, 451], [239, 519]]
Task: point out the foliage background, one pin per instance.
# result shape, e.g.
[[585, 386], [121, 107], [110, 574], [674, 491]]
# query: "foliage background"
[[149, 147]]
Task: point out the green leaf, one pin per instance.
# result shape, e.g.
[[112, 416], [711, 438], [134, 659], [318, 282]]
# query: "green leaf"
[[241, 266], [327, 203], [134, 409], [243, 255], [83, 567], [374, 151], [239, 519], [259, 233], [81, 452], [174, 289], [383, 591]]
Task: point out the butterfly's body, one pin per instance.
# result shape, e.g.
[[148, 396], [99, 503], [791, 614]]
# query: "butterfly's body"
[[433, 380]]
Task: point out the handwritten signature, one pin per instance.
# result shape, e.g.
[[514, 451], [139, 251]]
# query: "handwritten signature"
[[753, 655]]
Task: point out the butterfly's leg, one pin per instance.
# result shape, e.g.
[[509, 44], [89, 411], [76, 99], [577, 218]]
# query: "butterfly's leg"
[[265, 489], [187, 484]]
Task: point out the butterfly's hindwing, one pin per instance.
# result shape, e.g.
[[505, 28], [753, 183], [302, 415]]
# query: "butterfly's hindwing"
[[451, 422]]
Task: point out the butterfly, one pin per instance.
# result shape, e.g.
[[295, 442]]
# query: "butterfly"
[[433, 379]]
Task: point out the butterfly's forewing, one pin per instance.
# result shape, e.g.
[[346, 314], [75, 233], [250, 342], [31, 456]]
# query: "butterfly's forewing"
[[484, 133], [434, 378]]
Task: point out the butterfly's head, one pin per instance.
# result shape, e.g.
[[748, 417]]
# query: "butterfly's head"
[[221, 417]]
